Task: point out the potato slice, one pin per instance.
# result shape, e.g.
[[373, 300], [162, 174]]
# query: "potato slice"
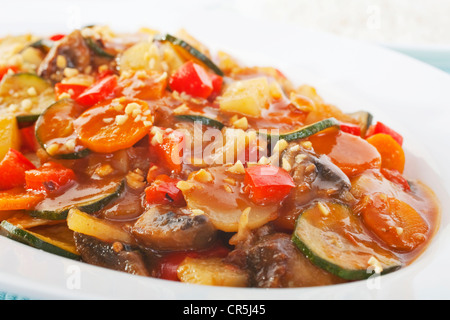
[[247, 97], [212, 272], [9, 134]]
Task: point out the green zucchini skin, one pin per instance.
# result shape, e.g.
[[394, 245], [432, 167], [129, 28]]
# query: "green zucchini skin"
[[26, 120], [87, 205], [305, 241], [204, 120], [191, 50], [18, 234], [306, 131], [97, 49], [329, 266], [365, 119], [60, 104], [42, 44]]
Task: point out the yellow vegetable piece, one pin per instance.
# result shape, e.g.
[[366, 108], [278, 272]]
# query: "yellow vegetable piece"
[[212, 272], [86, 224], [141, 56], [247, 97], [9, 134]]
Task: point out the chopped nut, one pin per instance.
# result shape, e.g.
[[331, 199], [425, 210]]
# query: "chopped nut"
[[104, 170], [103, 68], [157, 139], [135, 180], [264, 160], [181, 109], [120, 119], [26, 104], [61, 62], [13, 107], [306, 144], [203, 176], [323, 209], [373, 262], [64, 95], [52, 149], [32, 91], [310, 168], [280, 146], [185, 185], [237, 168], [230, 181], [242, 123], [117, 246], [70, 145], [133, 108], [70, 72], [286, 165], [300, 157], [197, 212], [294, 148], [228, 188], [162, 77]]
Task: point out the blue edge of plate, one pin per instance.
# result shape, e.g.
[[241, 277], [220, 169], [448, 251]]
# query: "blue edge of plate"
[[443, 65]]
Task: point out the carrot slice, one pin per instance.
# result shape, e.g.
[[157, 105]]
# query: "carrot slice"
[[392, 154], [19, 199], [114, 124], [395, 222], [352, 154]]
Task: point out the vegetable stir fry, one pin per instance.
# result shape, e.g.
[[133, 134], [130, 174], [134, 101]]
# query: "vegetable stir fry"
[[147, 153]]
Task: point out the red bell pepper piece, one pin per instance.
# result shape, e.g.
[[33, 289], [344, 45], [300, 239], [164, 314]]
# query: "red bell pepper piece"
[[192, 79], [4, 70], [396, 177], [350, 128], [13, 168], [267, 184], [99, 91], [217, 82], [380, 127], [28, 139], [57, 37], [49, 177], [163, 190], [74, 90], [169, 153]]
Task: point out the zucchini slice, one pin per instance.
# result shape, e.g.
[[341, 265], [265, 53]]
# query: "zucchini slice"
[[364, 119], [88, 198], [30, 94], [43, 44], [306, 131], [41, 241], [98, 49], [199, 118], [333, 238], [55, 132], [188, 51]]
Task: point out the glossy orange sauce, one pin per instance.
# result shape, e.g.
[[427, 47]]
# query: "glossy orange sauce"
[[361, 162]]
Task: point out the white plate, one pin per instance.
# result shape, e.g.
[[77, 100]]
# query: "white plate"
[[408, 95]]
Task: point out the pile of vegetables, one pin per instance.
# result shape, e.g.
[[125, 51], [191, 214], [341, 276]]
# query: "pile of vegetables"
[[100, 162]]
